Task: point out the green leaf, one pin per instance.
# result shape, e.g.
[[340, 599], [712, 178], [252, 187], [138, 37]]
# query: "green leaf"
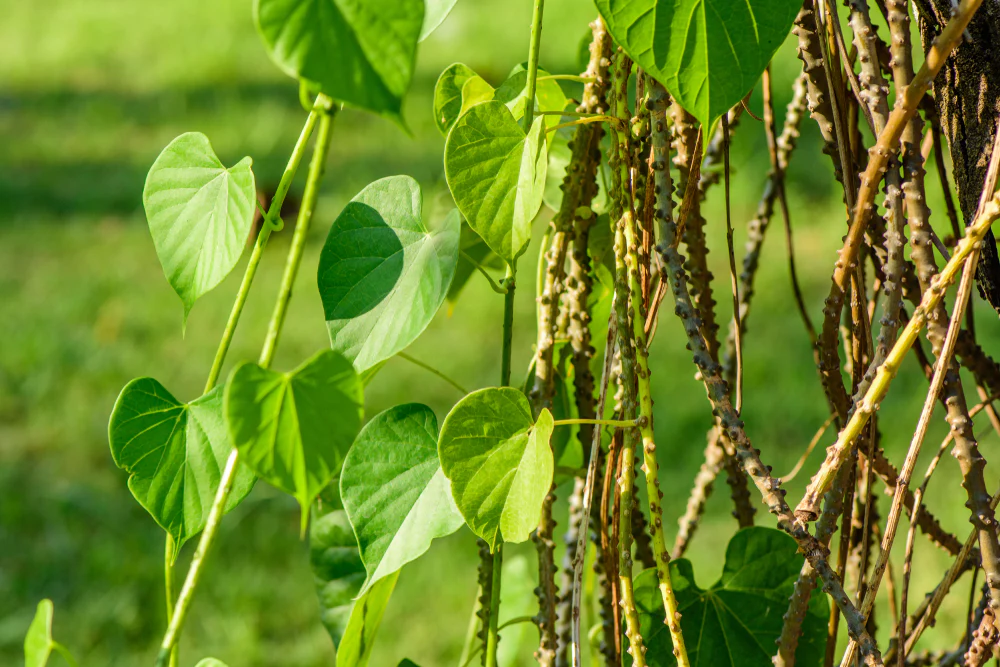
[[339, 575], [174, 453], [406, 662], [359, 53], [382, 275], [394, 492], [199, 214], [737, 620], [293, 429], [38, 642], [708, 53], [499, 462], [210, 662], [448, 95], [549, 95], [435, 13], [496, 174]]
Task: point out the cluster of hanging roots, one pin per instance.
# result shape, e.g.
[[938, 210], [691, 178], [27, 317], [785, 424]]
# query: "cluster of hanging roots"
[[655, 212]]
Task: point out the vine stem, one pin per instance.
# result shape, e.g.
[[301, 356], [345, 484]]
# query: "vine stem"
[[615, 423], [493, 637], [316, 168], [273, 213], [837, 453], [903, 483], [169, 553], [433, 371], [651, 467]]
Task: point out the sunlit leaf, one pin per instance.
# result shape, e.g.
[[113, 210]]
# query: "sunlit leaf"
[[293, 429], [496, 174], [38, 642], [434, 15], [394, 492], [382, 275], [499, 462], [174, 453], [708, 53], [199, 214], [735, 622], [359, 53]]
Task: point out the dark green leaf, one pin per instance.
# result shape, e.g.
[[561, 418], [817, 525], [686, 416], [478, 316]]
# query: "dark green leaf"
[[394, 492], [174, 453], [708, 53], [199, 214], [434, 15], [735, 622], [339, 575], [359, 53], [382, 275], [293, 429], [406, 662], [496, 174], [499, 462]]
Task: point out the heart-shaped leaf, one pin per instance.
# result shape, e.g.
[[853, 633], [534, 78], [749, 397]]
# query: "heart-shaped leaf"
[[293, 429], [549, 95], [199, 214], [708, 53], [359, 53], [382, 275], [38, 642], [174, 453], [339, 574], [496, 174], [499, 462], [737, 620], [448, 99], [394, 492], [435, 12]]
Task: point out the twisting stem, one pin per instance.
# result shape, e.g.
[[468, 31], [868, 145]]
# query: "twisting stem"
[[837, 453], [903, 483], [273, 213], [214, 518]]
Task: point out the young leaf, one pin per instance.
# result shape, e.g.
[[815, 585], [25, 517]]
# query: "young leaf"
[[737, 620], [394, 492], [499, 462], [174, 453], [339, 574], [448, 95], [293, 429], [38, 642], [199, 214], [708, 53], [210, 662], [496, 174], [359, 53], [435, 12], [382, 275], [549, 95]]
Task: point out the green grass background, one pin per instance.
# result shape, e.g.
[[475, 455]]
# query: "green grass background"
[[89, 94]]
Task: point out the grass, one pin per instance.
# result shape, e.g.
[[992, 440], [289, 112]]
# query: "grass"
[[91, 93]]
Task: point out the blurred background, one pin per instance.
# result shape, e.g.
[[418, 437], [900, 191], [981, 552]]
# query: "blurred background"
[[90, 92]]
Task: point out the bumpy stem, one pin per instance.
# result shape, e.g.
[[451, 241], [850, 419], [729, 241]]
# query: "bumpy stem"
[[316, 168], [718, 394]]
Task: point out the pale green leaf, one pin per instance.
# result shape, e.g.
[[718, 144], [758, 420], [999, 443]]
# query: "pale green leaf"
[[394, 492], [452, 98], [382, 275], [38, 642], [199, 214], [499, 462], [359, 52], [735, 622], [708, 53], [339, 575], [496, 174], [549, 95], [435, 13], [293, 429], [210, 662], [174, 453]]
